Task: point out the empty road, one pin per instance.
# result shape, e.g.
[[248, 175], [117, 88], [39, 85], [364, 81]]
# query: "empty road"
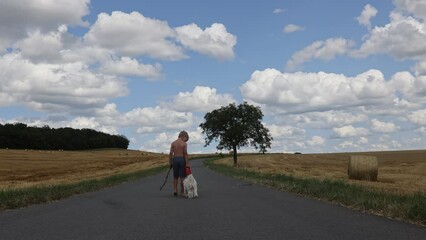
[[226, 209]]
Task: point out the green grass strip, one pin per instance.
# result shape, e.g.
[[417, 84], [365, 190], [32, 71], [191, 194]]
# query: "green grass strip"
[[17, 198], [410, 208]]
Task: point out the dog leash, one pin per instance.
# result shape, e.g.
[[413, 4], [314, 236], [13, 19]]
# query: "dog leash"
[[166, 178]]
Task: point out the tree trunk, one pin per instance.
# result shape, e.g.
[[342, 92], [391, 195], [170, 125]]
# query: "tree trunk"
[[234, 148]]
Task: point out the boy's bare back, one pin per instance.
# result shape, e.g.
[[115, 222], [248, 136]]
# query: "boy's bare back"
[[178, 148]]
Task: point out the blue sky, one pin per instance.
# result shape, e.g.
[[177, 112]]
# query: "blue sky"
[[329, 75]]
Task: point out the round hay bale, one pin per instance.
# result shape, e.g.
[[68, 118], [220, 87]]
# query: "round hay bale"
[[363, 168]]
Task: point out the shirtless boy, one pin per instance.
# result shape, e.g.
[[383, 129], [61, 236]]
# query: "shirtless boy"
[[178, 158]]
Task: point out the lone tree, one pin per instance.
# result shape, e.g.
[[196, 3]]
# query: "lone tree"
[[235, 127]]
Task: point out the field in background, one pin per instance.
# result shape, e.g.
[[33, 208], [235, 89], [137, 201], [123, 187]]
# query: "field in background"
[[21, 168], [400, 172]]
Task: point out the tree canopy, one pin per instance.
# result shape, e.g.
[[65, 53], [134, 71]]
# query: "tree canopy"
[[21, 136], [235, 127]]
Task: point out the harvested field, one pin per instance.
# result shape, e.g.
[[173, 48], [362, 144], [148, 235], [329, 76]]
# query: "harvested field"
[[400, 172], [22, 168]]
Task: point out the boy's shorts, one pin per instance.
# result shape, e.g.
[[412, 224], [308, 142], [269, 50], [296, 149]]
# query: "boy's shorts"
[[179, 167]]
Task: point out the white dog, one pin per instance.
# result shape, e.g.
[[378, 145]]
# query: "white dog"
[[190, 184]]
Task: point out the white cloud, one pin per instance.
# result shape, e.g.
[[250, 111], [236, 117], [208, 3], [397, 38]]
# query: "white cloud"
[[214, 41], [379, 147], [157, 119], [201, 99], [415, 7], [134, 35], [55, 87], [362, 140], [418, 117], [18, 18], [328, 119], [347, 145], [131, 67], [279, 132], [162, 141], [367, 13], [420, 67], [41, 47], [91, 55], [292, 28], [383, 127], [402, 38], [316, 141], [325, 50], [91, 123], [309, 92], [412, 88], [109, 110], [421, 130], [279, 10], [349, 131]]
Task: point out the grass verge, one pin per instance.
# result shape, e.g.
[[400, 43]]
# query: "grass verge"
[[17, 198], [411, 208]]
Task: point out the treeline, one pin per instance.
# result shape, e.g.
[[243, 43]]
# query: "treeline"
[[21, 136]]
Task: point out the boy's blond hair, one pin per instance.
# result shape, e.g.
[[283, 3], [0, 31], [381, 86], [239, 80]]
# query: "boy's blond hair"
[[183, 134]]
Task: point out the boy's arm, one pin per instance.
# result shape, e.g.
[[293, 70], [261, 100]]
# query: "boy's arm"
[[185, 154]]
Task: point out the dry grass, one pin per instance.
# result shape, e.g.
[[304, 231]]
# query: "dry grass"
[[20, 168], [400, 172]]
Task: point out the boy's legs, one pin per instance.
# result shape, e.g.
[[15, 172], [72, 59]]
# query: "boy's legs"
[[178, 172], [175, 182]]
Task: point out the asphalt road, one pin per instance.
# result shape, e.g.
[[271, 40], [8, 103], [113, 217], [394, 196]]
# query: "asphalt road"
[[226, 209]]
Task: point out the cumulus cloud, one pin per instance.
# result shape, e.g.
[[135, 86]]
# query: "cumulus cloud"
[[214, 41], [420, 67], [201, 99], [161, 141], [40, 47], [413, 88], [316, 141], [418, 117], [362, 140], [308, 92], [383, 127], [325, 50], [91, 123], [347, 145], [16, 21], [415, 7], [349, 131], [157, 119], [279, 132], [131, 67], [402, 38], [55, 87], [328, 119], [367, 13], [134, 35], [421, 130], [292, 28]]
